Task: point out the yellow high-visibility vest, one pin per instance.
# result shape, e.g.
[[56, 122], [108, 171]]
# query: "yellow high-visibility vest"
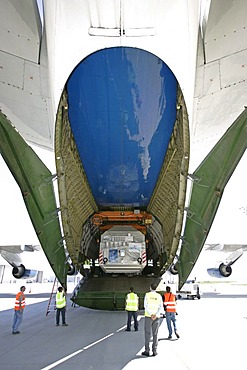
[[153, 303], [60, 300], [132, 302], [86, 264]]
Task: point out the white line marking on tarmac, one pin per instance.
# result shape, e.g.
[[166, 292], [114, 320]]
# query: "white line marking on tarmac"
[[123, 327], [132, 322], [75, 353], [139, 317]]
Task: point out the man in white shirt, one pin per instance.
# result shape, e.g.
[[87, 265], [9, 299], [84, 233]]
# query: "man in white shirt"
[[153, 305]]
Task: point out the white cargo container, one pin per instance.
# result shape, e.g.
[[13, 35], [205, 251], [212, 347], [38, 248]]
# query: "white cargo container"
[[122, 250]]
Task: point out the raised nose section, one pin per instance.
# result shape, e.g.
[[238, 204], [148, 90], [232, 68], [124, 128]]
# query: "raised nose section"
[[122, 110]]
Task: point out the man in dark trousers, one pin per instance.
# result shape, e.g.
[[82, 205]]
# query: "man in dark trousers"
[[153, 306], [169, 300], [132, 304], [60, 306]]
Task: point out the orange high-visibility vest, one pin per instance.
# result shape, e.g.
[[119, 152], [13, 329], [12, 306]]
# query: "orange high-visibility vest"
[[17, 301], [170, 302]]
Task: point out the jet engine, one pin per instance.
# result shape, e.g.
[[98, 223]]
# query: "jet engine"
[[224, 270], [20, 272], [173, 269], [220, 272], [72, 270]]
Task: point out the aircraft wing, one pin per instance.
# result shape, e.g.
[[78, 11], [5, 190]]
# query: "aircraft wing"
[[24, 93], [11, 252], [225, 247], [19, 248], [13, 255]]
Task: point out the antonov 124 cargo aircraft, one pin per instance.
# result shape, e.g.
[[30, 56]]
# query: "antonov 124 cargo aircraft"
[[143, 103]]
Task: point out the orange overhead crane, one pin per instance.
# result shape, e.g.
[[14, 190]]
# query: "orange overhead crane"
[[106, 219]]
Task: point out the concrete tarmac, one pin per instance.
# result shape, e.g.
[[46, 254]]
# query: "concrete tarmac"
[[213, 334]]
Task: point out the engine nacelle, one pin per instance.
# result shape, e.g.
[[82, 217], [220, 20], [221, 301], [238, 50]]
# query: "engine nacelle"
[[173, 270], [225, 269], [72, 270], [20, 272], [222, 272]]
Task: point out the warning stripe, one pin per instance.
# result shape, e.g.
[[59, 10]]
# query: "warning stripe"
[[101, 258], [144, 257]]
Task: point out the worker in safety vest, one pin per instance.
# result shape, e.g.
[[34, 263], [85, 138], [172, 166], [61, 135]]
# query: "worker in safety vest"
[[60, 306], [153, 306], [86, 267], [169, 300], [20, 303], [132, 304]]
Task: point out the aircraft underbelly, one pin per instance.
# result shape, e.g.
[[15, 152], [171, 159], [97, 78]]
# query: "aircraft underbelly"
[[122, 110]]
